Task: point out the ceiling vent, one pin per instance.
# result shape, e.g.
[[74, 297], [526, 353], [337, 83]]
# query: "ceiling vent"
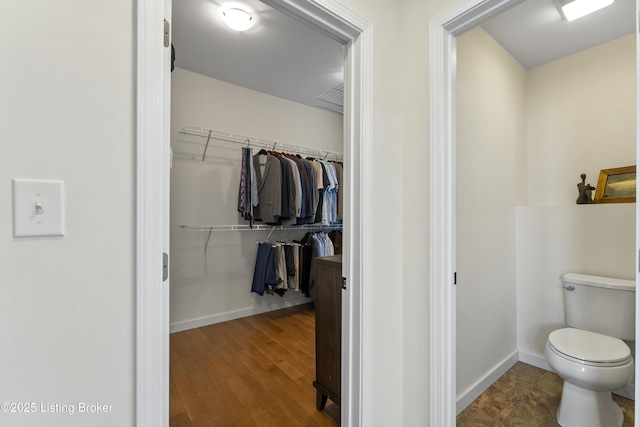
[[332, 100]]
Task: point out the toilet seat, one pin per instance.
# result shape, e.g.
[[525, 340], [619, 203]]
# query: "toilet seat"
[[589, 348]]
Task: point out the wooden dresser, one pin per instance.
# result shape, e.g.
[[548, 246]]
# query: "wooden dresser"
[[328, 308]]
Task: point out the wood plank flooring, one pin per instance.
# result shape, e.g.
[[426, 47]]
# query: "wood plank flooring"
[[258, 371], [254, 371]]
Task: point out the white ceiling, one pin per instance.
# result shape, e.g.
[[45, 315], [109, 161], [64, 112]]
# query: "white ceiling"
[[534, 33], [283, 57], [279, 55]]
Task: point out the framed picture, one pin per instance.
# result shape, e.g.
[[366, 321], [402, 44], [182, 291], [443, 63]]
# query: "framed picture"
[[617, 185]]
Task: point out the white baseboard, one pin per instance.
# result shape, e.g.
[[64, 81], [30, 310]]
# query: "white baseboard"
[[468, 396], [534, 360], [231, 315], [472, 393], [629, 392]]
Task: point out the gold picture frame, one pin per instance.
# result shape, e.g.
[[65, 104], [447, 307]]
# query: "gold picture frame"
[[617, 185]]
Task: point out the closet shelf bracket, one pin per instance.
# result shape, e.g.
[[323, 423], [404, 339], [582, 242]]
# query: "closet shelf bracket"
[[204, 153], [206, 244]]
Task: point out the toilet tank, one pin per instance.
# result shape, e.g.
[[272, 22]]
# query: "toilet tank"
[[600, 304]]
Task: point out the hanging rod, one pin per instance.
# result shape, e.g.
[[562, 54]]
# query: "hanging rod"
[[204, 137], [256, 227]]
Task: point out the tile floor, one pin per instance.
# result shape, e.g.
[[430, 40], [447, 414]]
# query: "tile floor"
[[524, 396]]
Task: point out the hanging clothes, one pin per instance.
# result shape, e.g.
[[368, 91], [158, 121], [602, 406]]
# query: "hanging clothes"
[[269, 180], [277, 268], [247, 193], [339, 195], [314, 245], [287, 191], [292, 261], [336, 239], [265, 278], [311, 194], [290, 189], [282, 266]]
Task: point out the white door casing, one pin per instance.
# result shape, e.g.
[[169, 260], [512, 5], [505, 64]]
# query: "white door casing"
[[152, 199], [637, 391], [151, 367], [166, 201], [443, 30]]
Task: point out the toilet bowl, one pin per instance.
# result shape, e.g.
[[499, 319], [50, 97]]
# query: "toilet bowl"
[[589, 354], [591, 365]]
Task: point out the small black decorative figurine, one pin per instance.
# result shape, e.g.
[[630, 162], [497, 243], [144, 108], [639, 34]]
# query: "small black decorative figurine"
[[584, 192]]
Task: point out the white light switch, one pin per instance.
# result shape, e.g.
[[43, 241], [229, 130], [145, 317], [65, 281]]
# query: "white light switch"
[[38, 208]]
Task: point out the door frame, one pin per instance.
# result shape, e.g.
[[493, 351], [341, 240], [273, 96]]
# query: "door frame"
[[151, 338], [152, 146], [443, 30], [637, 381]]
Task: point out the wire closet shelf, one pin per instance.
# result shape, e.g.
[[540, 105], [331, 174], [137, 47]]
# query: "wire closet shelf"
[[204, 136], [256, 227]]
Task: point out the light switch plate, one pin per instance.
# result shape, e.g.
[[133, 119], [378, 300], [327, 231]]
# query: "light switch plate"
[[38, 208]]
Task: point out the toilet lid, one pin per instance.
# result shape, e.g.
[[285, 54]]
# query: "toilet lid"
[[589, 346]]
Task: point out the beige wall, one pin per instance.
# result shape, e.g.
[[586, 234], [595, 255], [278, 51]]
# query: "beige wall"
[[399, 285], [67, 305], [414, 216], [524, 138], [580, 119], [68, 113], [490, 172]]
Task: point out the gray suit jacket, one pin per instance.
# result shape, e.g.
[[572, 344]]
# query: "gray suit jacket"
[[269, 189]]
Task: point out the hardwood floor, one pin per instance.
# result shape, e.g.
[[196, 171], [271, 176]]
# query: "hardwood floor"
[[254, 371], [258, 371]]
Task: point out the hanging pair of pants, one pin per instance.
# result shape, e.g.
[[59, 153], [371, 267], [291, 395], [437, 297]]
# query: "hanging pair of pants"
[[264, 274]]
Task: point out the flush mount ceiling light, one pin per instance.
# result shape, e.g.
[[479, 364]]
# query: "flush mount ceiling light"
[[237, 19], [574, 9]]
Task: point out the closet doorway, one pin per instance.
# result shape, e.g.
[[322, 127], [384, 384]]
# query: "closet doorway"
[[353, 32], [443, 32]]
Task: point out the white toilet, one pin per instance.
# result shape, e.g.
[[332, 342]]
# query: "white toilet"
[[590, 355]]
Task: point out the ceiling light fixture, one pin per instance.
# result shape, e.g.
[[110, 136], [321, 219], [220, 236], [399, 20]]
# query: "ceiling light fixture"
[[574, 9], [237, 19]]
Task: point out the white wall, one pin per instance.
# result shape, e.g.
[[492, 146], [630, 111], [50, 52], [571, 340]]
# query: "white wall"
[[490, 172], [553, 240], [580, 119], [67, 306], [212, 287]]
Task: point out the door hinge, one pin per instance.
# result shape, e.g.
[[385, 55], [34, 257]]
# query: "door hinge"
[[455, 277], [344, 283], [167, 33], [165, 267]]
